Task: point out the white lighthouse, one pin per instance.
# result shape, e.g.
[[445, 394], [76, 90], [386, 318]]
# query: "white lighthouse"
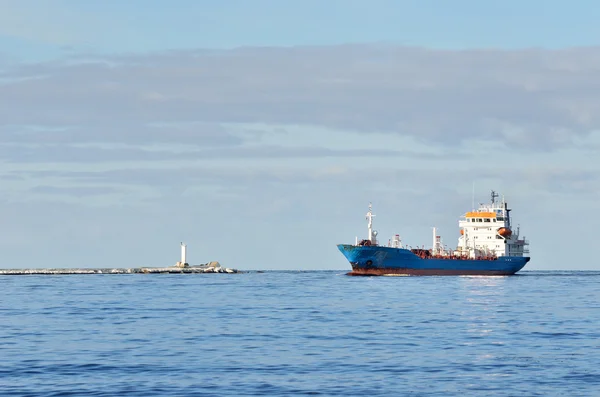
[[183, 262]]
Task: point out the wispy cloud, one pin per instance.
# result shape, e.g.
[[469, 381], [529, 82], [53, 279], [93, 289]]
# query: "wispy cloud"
[[531, 98], [79, 191], [119, 132]]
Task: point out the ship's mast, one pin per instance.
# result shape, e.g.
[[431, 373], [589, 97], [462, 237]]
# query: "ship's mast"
[[369, 217], [370, 222], [494, 196], [437, 247]]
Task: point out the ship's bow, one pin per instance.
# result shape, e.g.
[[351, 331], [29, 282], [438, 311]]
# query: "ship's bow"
[[350, 252]]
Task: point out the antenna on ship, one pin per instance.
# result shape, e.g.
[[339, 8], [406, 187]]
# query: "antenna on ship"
[[473, 198], [494, 195]]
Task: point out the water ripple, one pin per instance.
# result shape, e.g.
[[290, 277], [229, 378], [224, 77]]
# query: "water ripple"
[[300, 333]]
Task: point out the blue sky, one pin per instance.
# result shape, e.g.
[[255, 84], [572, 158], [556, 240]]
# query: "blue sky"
[[258, 131], [33, 28]]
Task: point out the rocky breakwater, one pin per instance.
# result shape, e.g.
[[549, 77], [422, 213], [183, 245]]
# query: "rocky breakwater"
[[211, 267]]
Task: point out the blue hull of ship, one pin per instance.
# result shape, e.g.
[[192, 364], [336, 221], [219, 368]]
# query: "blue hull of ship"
[[377, 261]]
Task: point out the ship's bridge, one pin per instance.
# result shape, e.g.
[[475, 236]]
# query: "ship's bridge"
[[485, 216], [488, 213]]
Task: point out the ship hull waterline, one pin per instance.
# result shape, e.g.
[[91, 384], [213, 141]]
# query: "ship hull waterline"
[[382, 261], [424, 272]]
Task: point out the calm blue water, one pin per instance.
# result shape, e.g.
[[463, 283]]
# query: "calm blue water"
[[300, 333]]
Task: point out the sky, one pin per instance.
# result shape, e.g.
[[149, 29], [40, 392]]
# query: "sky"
[[257, 132]]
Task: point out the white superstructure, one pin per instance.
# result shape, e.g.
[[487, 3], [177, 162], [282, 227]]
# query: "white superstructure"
[[488, 231]]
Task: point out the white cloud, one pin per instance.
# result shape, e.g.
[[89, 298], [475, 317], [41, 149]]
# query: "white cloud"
[[536, 99]]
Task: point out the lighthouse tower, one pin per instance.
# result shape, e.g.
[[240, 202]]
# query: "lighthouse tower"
[[183, 262]]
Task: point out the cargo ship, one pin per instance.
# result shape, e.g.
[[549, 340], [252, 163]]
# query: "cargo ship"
[[487, 246]]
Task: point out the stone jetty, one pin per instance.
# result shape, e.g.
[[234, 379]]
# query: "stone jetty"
[[212, 267]]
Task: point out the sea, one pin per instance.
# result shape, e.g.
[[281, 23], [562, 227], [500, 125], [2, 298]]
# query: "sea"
[[289, 333]]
